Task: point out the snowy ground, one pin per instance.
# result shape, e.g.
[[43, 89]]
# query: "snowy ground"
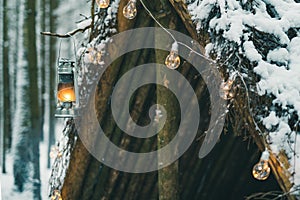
[[7, 180]]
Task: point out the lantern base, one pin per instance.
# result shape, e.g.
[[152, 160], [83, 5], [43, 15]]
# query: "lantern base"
[[64, 113]]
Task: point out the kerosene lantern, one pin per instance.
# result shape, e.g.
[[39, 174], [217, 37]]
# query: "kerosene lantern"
[[66, 89]]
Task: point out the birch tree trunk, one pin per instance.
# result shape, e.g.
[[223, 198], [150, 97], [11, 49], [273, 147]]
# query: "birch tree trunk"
[[27, 129], [22, 119], [6, 86]]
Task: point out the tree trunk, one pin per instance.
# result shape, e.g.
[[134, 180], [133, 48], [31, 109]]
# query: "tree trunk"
[[52, 68], [6, 87], [43, 66], [168, 177], [15, 58], [30, 44], [22, 125]]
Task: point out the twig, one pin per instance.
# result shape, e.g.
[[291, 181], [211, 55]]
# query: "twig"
[[93, 19], [67, 35]]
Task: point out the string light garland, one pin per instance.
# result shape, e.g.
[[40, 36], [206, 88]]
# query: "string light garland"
[[103, 3], [261, 170], [130, 11], [226, 89], [173, 62]]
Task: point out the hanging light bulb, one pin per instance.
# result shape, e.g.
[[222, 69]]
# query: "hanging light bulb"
[[53, 152], [173, 61], [94, 55], [56, 195], [90, 54], [225, 89], [261, 170], [103, 3], [130, 11]]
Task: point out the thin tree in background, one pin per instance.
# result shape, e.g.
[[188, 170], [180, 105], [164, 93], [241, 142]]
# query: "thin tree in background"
[[1, 91], [6, 87], [28, 113], [52, 64], [30, 43], [22, 120], [43, 65], [15, 49]]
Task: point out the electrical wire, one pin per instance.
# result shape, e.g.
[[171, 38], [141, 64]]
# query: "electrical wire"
[[167, 31]]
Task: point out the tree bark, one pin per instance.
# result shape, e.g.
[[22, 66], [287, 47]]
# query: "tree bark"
[[6, 87], [52, 79], [34, 136], [15, 58], [168, 177], [42, 66]]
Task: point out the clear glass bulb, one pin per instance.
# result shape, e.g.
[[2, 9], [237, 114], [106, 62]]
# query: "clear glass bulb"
[[94, 56], [53, 152], [98, 56], [90, 54], [172, 61], [261, 170], [130, 11], [103, 3], [225, 90]]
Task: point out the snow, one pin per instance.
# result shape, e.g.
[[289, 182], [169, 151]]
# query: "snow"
[[280, 55], [279, 69], [84, 23], [9, 191], [250, 51]]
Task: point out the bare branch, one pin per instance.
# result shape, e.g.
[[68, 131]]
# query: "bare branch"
[[69, 34]]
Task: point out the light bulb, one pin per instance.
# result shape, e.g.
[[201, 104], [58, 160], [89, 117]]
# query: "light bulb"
[[261, 170], [173, 61], [130, 11], [53, 152], [66, 94], [59, 154], [225, 90], [56, 195], [158, 115], [94, 56], [98, 56], [103, 3], [90, 54]]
